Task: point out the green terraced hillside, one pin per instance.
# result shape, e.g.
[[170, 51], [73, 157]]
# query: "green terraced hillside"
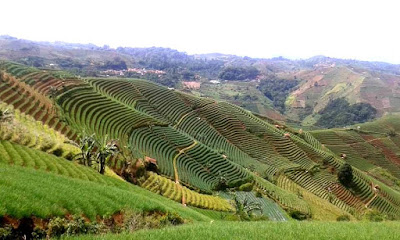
[[199, 148]]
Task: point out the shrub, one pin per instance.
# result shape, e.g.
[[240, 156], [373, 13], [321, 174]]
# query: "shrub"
[[6, 233], [77, 225], [247, 187], [58, 152], [295, 214], [45, 144], [392, 133], [171, 219], [375, 216], [343, 218], [258, 194]]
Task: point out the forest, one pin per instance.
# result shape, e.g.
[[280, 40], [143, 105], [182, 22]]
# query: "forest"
[[339, 113]]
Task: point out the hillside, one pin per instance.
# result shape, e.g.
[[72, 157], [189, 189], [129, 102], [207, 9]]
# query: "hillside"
[[278, 88], [323, 84], [200, 152]]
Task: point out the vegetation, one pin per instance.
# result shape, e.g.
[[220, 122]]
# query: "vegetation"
[[260, 230], [171, 190], [340, 113], [238, 73], [116, 64], [105, 149], [181, 150], [23, 129], [345, 175], [277, 90]]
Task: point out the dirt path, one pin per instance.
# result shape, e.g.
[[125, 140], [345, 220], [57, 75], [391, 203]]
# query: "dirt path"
[[176, 157]]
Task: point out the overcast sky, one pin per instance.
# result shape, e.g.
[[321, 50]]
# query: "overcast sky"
[[366, 30]]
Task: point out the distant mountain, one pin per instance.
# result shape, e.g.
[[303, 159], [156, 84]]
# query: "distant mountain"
[[306, 86]]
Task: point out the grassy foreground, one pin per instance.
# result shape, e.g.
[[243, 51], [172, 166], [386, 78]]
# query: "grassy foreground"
[[28, 192], [268, 230]]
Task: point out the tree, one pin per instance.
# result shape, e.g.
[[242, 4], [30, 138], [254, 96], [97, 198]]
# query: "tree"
[[345, 175], [245, 208], [238, 73], [277, 90], [105, 149], [116, 64], [339, 113], [87, 144]]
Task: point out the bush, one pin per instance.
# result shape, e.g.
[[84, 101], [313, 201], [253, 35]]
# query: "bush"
[[392, 133], [343, 218], [375, 216], [247, 187], [258, 194], [6, 233], [77, 225], [171, 219], [58, 152], [295, 214]]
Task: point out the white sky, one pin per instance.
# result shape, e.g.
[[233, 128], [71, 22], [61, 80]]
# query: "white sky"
[[366, 30]]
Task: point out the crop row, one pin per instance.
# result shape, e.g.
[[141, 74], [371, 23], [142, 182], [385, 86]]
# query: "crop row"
[[206, 134], [176, 192], [97, 113], [39, 80], [23, 97], [19, 155], [286, 199], [236, 133], [26, 192], [24, 130], [34, 183], [165, 102], [196, 164], [305, 180]]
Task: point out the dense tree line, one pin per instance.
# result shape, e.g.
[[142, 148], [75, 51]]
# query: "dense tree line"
[[170, 60], [340, 113], [116, 64], [277, 90], [238, 73]]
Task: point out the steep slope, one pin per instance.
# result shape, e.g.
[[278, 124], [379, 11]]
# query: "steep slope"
[[202, 143], [324, 83]]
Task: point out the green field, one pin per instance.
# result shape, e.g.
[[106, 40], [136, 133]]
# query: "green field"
[[27, 192], [268, 230]]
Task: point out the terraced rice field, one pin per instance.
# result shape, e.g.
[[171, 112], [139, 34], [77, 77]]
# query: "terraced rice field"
[[28, 90], [202, 144]]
